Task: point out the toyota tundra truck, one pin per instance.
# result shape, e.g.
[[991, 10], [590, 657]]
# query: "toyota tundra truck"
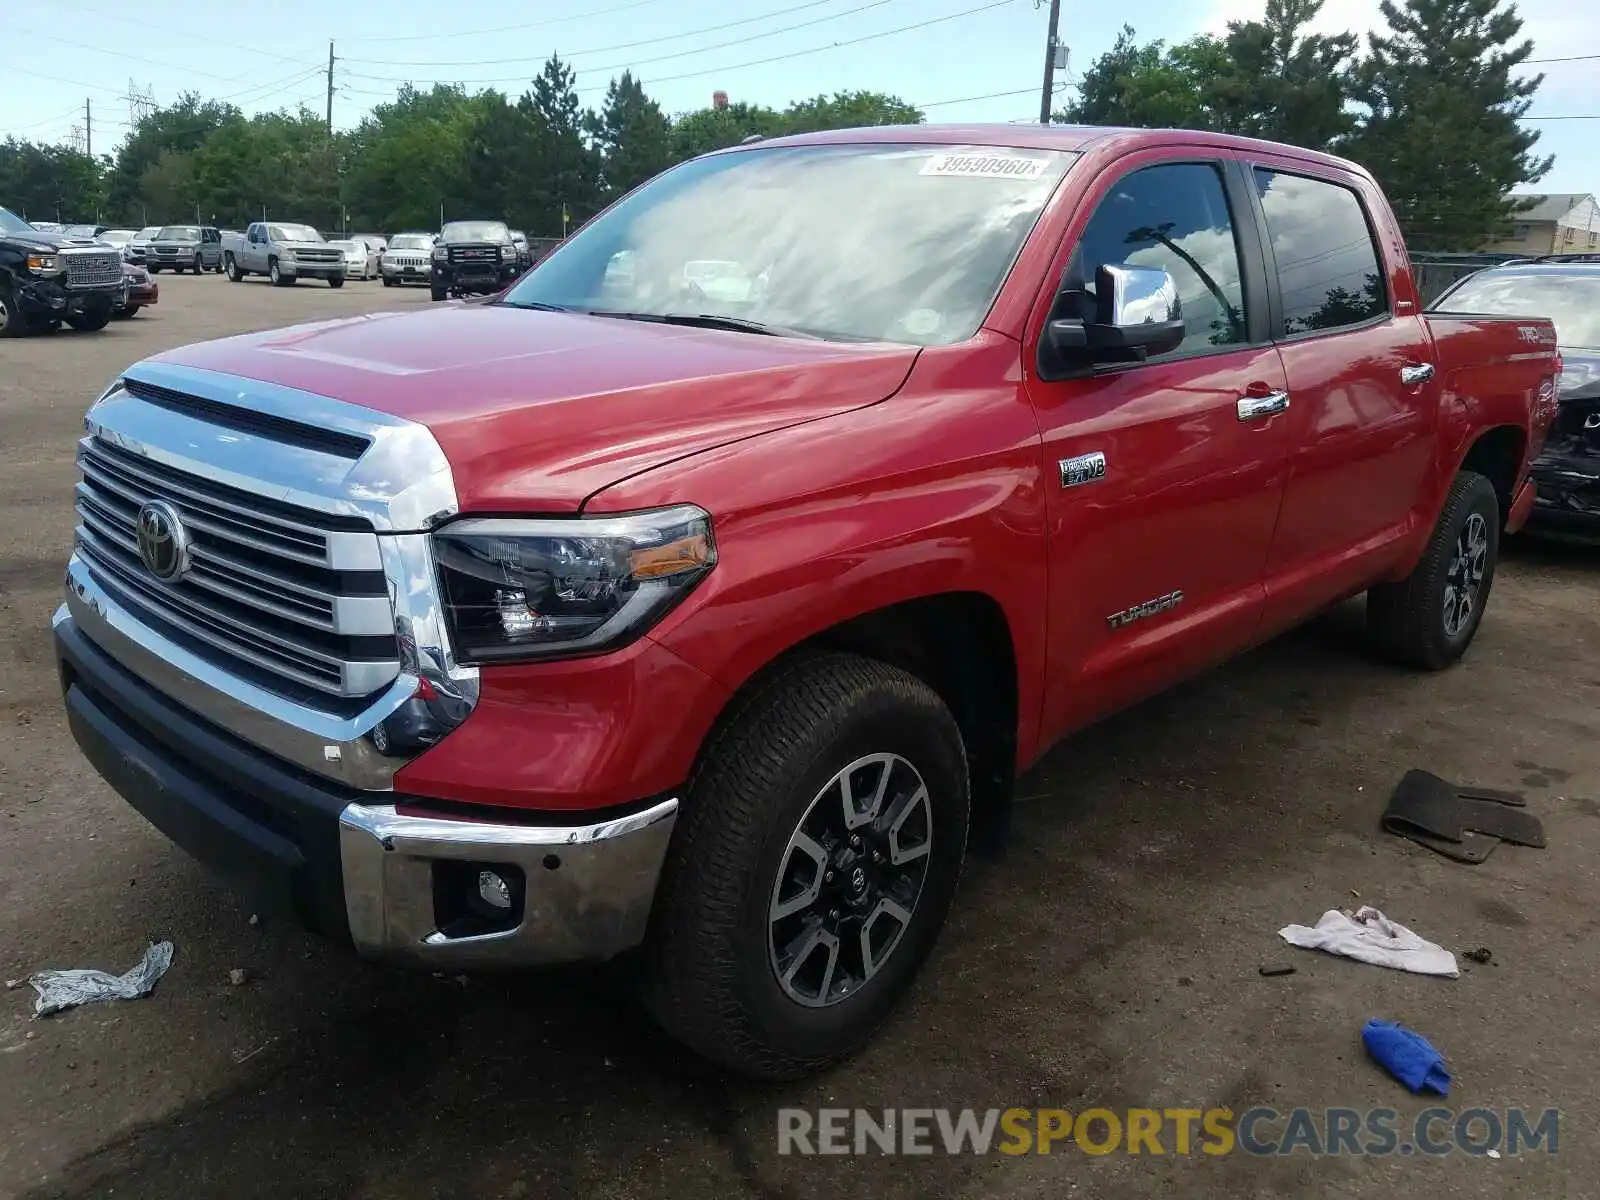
[[621, 616]]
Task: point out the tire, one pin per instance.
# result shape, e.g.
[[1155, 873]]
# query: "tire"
[[199, 265], [155, 270], [336, 281], [231, 268], [12, 323], [1430, 617], [721, 968], [439, 293], [91, 321], [388, 281], [277, 277]]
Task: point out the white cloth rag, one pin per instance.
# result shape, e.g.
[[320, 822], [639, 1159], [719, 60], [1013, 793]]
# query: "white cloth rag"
[[1370, 937]]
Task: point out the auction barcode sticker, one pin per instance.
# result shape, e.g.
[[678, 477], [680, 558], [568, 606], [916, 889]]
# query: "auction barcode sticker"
[[987, 166]]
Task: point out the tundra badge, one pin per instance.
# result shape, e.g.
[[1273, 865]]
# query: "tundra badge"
[[1149, 608], [1085, 468]]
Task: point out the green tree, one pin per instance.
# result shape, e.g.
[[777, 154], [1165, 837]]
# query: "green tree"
[[633, 135], [1285, 84], [1441, 131], [181, 128], [848, 110], [708, 129], [560, 186], [408, 159], [49, 183], [1152, 86]]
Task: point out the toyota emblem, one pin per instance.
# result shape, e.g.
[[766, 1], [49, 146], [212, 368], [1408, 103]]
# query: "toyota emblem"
[[163, 542]]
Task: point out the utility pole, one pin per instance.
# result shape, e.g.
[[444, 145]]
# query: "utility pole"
[[1050, 63], [330, 88], [88, 128]]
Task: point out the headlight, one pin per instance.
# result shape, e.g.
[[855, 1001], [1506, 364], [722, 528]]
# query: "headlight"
[[516, 589], [507, 251], [43, 264], [440, 254]]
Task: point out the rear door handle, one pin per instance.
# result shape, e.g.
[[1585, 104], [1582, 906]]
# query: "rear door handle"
[[1254, 408], [1416, 373]]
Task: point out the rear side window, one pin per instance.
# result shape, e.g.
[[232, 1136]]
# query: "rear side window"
[[1328, 267], [1175, 217]]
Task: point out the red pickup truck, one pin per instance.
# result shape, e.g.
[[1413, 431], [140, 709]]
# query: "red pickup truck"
[[698, 593]]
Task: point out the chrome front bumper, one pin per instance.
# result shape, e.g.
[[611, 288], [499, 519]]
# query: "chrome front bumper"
[[340, 861], [587, 889]]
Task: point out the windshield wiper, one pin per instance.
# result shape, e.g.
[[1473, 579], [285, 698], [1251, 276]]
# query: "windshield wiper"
[[706, 321], [536, 305]]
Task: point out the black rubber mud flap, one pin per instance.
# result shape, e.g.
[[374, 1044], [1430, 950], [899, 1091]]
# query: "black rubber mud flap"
[[1463, 823]]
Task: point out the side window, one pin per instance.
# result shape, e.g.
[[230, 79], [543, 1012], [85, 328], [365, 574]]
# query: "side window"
[[1175, 217], [1329, 272]]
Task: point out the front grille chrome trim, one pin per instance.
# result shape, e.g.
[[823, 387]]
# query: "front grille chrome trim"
[[308, 621]]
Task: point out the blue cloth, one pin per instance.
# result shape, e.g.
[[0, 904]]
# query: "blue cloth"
[[1407, 1056]]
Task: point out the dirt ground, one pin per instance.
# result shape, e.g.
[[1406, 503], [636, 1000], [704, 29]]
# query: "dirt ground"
[[1111, 960]]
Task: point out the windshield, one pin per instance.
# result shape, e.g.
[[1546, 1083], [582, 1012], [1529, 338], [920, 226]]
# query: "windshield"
[[117, 237], [475, 231], [348, 246], [11, 223], [178, 233], [80, 231], [411, 241], [904, 243], [1569, 298], [293, 233], [147, 234]]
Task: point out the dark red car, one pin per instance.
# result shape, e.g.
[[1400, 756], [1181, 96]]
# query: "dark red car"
[[700, 593], [143, 291]]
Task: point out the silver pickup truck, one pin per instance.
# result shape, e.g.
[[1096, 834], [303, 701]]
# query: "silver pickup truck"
[[282, 252]]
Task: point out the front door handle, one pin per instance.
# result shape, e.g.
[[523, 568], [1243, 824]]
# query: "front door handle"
[[1416, 373], [1253, 408]]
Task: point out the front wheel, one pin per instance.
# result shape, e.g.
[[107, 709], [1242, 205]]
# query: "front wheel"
[[1429, 618], [231, 266], [278, 278], [336, 281], [199, 265], [12, 322], [439, 293], [90, 320], [812, 867]]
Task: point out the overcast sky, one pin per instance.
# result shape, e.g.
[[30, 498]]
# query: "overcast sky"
[[976, 65]]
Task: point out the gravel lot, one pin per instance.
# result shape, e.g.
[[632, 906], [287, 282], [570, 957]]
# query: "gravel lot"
[[1111, 960]]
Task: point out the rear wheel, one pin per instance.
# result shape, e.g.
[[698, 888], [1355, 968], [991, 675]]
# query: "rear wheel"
[[811, 869], [1430, 617]]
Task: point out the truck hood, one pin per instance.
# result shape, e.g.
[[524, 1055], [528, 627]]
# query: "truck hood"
[[42, 240], [537, 411]]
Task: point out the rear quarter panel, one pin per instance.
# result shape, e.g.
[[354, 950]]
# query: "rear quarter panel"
[[1492, 372]]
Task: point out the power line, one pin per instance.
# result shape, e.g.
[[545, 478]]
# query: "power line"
[[671, 37], [78, 44], [760, 62], [1027, 91], [437, 36], [755, 37]]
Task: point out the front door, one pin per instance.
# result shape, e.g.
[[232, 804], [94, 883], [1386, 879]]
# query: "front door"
[[1163, 476]]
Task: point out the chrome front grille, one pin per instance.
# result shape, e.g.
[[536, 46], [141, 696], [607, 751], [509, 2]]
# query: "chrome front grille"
[[319, 256], [474, 254], [293, 598], [91, 267]]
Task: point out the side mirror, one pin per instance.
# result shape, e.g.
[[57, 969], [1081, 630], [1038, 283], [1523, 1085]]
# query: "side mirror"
[[1137, 313]]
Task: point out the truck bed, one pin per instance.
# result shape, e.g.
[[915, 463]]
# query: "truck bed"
[[1497, 370]]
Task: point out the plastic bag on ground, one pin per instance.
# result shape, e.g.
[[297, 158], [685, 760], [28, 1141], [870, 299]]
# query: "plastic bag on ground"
[[60, 990]]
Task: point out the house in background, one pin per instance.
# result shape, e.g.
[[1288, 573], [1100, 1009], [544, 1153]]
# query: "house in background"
[[1564, 223]]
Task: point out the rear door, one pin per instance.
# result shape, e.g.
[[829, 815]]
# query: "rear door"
[[1163, 476], [1363, 397]]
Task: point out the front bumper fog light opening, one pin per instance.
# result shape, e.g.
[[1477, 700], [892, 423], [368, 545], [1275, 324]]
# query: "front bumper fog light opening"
[[474, 899]]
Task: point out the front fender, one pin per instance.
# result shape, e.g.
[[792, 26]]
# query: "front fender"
[[938, 489]]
